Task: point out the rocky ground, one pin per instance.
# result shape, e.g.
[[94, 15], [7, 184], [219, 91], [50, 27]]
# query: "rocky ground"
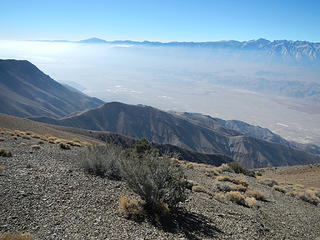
[[46, 193]]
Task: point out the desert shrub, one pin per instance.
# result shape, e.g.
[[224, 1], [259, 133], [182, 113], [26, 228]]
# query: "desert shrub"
[[268, 182], [35, 136], [210, 172], [74, 143], [142, 146], [251, 201], [2, 168], [26, 137], [219, 196], [292, 193], [224, 187], [256, 194], [238, 168], [64, 146], [225, 168], [4, 152], [156, 179], [2, 139], [240, 188], [35, 147], [131, 209], [15, 236], [279, 188], [236, 197], [40, 142], [309, 196], [102, 160], [43, 138], [233, 180], [198, 188]]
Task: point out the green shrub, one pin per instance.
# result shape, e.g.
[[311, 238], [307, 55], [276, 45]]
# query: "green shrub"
[[102, 160], [142, 146], [238, 168], [157, 180]]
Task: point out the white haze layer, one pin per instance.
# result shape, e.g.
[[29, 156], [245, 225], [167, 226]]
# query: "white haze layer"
[[200, 80]]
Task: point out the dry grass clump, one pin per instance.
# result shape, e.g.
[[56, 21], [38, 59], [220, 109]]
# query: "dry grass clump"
[[35, 147], [52, 140], [292, 193], [219, 196], [4, 152], [192, 165], [268, 182], [15, 236], [64, 145], [240, 188], [251, 201], [198, 188], [35, 136], [233, 180], [256, 194], [131, 209], [40, 142], [225, 168], [2, 168], [43, 138], [279, 188], [309, 196], [210, 172], [26, 137], [2, 139], [23, 144], [236, 197]]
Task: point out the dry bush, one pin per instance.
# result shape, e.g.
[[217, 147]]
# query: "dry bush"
[[23, 144], [279, 188], [256, 194], [2, 168], [309, 196], [40, 142], [2, 139], [198, 188], [236, 197], [193, 165], [210, 172], [26, 137], [35, 136], [233, 180], [251, 201], [43, 138], [268, 182], [131, 209], [224, 187], [102, 160], [15, 236], [292, 193], [238, 168], [30, 133], [225, 168], [219, 196], [35, 147], [64, 146], [224, 178], [240, 188], [4, 152]]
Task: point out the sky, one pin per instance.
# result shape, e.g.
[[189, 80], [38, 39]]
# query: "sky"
[[160, 20]]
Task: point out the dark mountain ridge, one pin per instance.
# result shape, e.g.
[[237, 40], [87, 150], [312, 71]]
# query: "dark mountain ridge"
[[26, 91], [237, 127], [139, 121]]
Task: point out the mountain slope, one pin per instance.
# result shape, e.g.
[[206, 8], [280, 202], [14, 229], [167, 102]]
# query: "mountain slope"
[[159, 126], [235, 127], [26, 91]]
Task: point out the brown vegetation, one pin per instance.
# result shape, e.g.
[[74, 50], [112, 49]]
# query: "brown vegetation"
[[15, 236], [4, 152]]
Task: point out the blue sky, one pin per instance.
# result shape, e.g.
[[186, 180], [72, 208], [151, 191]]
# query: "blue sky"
[[160, 20]]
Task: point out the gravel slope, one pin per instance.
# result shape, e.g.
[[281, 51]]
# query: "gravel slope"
[[47, 194]]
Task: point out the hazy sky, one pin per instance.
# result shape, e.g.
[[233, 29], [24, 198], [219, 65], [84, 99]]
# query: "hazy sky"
[[160, 20]]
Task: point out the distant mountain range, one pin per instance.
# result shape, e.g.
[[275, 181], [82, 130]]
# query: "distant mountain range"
[[26, 91], [139, 121], [298, 50]]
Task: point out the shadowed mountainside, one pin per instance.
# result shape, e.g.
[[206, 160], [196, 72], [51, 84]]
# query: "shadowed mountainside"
[[139, 121], [26, 91], [235, 127]]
